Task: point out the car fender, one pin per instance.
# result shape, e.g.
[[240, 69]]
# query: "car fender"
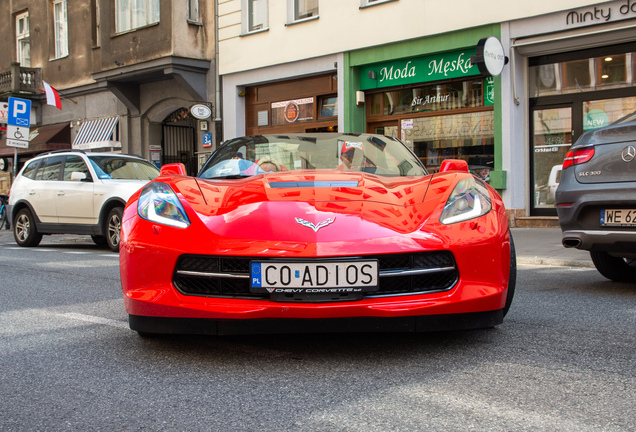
[[19, 205]]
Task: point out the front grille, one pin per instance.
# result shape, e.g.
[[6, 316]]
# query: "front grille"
[[400, 274]]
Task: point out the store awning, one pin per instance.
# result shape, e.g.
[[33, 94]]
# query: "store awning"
[[97, 134], [57, 134], [580, 38], [44, 138]]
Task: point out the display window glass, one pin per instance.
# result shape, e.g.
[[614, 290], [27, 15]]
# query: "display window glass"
[[467, 136], [439, 97], [582, 75], [599, 113], [552, 137], [329, 106]]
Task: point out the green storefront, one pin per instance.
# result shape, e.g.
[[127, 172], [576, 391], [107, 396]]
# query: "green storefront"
[[428, 93]]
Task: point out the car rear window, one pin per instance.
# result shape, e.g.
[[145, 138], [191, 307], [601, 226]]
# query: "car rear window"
[[49, 169], [31, 168]]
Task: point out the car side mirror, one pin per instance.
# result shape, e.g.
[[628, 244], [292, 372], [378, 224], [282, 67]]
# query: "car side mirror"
[[174, 169], [453, 165], [78, 176]]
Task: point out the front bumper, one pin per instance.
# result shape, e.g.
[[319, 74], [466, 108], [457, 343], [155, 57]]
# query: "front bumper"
[[451, 322], [579, 208]]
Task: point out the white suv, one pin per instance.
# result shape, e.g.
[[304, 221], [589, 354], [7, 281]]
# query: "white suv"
[[72, 192]]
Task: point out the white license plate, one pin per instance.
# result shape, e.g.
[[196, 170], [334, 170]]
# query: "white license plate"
[[323, 277], [618, 217]]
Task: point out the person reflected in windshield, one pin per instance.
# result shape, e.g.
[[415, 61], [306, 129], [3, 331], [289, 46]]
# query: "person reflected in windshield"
[[266, 164], [353, 158]]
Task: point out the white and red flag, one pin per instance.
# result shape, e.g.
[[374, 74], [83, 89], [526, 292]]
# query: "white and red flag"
[[52, 97]]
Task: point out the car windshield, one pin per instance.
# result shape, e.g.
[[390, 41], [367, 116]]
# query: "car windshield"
[[248, 156], [123, 168]]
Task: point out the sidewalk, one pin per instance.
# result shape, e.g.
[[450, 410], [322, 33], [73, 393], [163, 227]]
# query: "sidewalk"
[[540, 246]]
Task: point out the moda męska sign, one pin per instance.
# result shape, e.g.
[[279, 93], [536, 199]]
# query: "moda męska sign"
[[454, 64]]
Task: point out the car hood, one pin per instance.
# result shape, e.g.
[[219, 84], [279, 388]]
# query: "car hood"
[[281, 205], [320, 187]]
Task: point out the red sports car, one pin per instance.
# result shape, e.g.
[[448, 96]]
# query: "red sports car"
[[315, 233]]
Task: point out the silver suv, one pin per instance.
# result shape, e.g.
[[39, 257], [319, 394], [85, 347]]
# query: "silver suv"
[[596, 198], [72, 192]]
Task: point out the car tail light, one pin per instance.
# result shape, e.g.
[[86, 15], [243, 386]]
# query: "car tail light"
[[578, 156]]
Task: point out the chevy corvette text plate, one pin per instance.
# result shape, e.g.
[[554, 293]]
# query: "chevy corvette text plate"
[[324, 277]]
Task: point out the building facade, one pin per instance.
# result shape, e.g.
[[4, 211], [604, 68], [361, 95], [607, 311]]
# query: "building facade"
[[127, 73], [128, 78], [572, 71], [402, 68]]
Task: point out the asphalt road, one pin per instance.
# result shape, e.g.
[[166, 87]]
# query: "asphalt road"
[[563, 360]]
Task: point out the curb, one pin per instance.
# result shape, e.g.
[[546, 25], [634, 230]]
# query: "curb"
[[554, 262]]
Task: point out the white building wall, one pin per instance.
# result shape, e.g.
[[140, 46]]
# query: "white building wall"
[[343, 26]]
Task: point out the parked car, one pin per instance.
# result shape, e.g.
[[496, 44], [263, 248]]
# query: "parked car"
[[596, 199], [73, 192], [315, 232]]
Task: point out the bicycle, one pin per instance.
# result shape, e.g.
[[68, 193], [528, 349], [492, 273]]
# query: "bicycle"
[[4, 216]]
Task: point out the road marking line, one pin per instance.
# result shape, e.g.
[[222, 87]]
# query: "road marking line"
[[96, 320]]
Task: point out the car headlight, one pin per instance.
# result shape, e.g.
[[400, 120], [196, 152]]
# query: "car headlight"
[[158, 203], [470, 199]]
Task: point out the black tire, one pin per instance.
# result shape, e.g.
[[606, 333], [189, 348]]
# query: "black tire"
[[99, 240], [25, 232], [512, 279], [614, 268], [112, 228]]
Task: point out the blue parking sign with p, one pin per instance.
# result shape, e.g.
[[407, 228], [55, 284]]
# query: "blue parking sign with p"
[[19, 112]]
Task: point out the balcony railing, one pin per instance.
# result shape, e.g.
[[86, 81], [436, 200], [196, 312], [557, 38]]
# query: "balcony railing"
[[20, 80]]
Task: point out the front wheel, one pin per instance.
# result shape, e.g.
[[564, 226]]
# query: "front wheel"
[[614, 268], [24, 230], [113, 228]]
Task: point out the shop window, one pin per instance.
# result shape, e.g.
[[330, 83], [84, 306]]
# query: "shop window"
[[60, 28], [328, 106], [613, 70], [132, 14], [589, 74], [375, 104], [599, 113], [467, 136], [551, 139], [577, 75], [23, 43], [449, 96], [255, 15]]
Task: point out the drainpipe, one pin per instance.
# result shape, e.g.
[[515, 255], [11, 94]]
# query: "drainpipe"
[[217, 107]]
